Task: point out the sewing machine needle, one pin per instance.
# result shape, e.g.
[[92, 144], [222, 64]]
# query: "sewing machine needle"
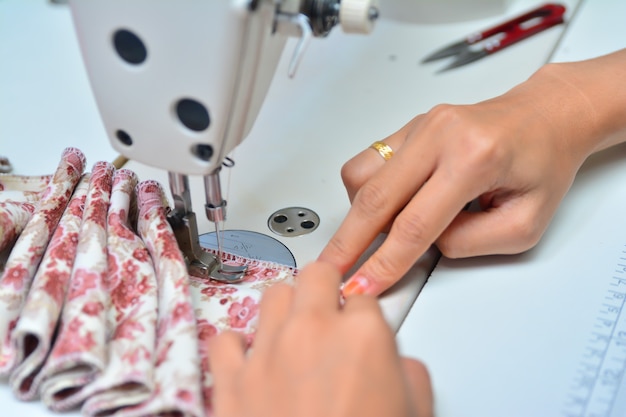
[[219, 239]]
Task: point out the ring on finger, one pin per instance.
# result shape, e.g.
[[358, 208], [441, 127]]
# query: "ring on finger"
[[383, 149]]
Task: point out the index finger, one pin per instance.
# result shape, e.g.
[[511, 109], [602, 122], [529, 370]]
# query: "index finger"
[[378, 201], [413, 231]]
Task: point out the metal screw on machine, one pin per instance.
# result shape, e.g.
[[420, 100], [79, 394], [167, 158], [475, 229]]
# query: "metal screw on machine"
[[293, 221]]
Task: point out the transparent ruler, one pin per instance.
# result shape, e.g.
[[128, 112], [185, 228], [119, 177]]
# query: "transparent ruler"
[[599, 389]]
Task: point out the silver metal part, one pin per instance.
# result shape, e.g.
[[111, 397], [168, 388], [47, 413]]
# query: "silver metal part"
[[183, 222], [179, 186], [215, 206], [323, 14], [251, 245], [229, 274], [308, 18], [295, 25], [293, 221]]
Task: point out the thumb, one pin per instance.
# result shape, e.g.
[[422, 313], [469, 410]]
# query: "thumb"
[[507, 229]]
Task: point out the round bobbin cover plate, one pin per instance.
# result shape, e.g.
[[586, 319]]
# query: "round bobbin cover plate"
[[293, 221]]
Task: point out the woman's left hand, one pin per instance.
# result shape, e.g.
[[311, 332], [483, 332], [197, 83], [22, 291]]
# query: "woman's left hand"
[[312, 357]]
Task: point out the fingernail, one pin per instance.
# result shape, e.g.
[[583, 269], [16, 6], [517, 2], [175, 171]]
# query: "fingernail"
[[355, 286]]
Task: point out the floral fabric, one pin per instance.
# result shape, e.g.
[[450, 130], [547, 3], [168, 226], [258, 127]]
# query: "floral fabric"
[[97, 309], [24, 259], [79, 352], [18, 197], [33, 333], [131, 319]]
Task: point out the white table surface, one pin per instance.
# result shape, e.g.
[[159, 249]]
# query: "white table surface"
[[526, 335], [348, 92]]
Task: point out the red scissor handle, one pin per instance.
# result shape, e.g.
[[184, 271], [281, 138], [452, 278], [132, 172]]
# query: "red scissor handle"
[[521, 27]]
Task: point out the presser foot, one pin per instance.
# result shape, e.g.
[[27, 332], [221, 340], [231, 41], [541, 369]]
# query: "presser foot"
[[199, 262]]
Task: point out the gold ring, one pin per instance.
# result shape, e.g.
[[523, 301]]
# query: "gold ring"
[[383, 149]]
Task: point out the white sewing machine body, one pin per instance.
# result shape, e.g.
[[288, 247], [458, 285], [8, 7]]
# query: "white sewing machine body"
[[179, 85]]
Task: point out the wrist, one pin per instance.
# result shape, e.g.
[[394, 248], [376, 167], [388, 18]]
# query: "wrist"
[[590, 100]]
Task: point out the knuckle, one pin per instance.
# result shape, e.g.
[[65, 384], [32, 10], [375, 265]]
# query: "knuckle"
[[383, 269], [455, 252], [455, 245], [447, 249], [352, 174], [527, 232], [338, 250], [444, 113], [482, 148], [411, 229], [371, 200], [480, 144]]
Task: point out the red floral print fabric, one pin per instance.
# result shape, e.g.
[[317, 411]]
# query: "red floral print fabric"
[[131, 325], [79, 353], [28, 250], [13, 217], [131, 320], [219, 307], [23, 188], [177, 375], [18, 197], [33, 333]]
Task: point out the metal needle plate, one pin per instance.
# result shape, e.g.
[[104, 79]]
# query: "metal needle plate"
[[251, 245]]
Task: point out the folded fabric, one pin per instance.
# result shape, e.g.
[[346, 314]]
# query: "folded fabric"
[[97, 309], [29, 248], [131, 321], [18, 197], [33, 334], [79, 353]]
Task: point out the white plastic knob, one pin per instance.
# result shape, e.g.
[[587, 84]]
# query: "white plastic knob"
[[358, 16]]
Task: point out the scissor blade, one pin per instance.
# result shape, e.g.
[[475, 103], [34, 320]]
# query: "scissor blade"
[[454, 49], [465, 58]]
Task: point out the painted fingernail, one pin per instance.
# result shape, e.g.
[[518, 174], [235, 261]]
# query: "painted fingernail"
[[355, 286]]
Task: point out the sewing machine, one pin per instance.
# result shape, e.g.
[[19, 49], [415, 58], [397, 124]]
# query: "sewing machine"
[[376, 85], [179, 85]]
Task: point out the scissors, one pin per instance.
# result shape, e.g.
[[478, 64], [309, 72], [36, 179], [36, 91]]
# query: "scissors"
[[479, 45]]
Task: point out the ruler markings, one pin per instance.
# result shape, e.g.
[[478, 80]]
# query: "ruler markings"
[[599, 383]]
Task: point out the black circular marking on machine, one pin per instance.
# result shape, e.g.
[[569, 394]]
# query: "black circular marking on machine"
[[123, 137], [193, 114], [129, 47], [202, 151]]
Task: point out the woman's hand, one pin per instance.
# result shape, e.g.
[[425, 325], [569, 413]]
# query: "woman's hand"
[[312, 357], [517, 154]]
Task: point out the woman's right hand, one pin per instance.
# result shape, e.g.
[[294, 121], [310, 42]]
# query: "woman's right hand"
[[517, 154]]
